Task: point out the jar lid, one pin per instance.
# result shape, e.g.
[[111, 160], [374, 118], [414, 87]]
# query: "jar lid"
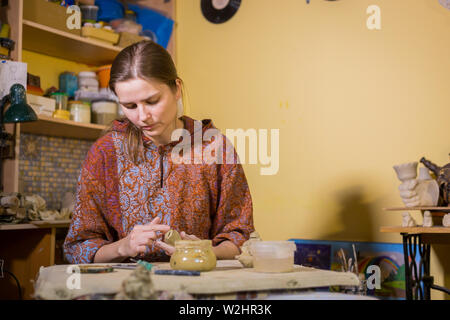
[[272, 246], [58, 94], [87, 6], [75, 101], [86, 74]]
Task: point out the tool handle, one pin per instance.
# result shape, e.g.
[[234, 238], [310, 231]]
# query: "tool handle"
[[177, 272]]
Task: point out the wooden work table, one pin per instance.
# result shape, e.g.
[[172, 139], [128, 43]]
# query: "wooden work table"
[[24, 249], [227, 280]]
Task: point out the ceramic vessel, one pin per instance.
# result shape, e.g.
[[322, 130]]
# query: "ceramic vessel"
[[446, 220], [427, 219], [193, 255], [406, 171], [427, 189]]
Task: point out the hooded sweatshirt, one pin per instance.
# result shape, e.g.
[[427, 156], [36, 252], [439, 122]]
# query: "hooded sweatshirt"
[[205, 193]]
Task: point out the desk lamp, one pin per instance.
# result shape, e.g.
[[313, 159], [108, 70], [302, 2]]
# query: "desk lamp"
[[19, 111]]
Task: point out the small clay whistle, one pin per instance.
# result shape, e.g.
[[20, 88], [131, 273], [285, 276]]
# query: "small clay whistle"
[[171, 236]]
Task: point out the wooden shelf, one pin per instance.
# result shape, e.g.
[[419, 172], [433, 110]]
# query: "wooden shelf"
[[419, 229], [418, 208], [53, 42], [36, 225], [63, 128]]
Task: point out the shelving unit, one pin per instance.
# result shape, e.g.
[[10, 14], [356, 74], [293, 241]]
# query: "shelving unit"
[[36, 225], [27, 247], [63, 128], [53, 42], [435, 211], [417, 244], [415, 230], [38, 37]]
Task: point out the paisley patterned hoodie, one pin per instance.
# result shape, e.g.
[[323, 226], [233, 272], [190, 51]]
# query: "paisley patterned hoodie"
[[209, 200]]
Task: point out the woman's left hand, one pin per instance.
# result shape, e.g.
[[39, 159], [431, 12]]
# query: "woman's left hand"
[[168, 249]]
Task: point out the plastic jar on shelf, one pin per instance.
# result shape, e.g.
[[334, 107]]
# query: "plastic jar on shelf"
[[104, 75], [68, 83], [61, 111], [104, 112], [193, 255], [80, 111], [89, 13], [87, 81]]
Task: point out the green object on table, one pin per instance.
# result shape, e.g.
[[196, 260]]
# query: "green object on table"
[[146, 264]]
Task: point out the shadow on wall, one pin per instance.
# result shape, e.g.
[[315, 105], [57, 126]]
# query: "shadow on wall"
[[443, 255], [354, 214]]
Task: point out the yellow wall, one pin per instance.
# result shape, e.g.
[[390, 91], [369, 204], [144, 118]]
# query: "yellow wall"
[[349, 102], [49, 68]]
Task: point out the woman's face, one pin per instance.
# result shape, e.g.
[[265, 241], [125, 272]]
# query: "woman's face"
[[150, 106]]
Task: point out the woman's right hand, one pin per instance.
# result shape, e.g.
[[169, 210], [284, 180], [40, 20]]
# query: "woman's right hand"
[[140, 237]]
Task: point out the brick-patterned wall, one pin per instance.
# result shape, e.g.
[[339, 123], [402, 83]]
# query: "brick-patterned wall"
[[49, 166]]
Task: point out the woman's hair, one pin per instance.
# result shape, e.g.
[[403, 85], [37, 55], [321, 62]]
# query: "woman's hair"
[[145, 60]]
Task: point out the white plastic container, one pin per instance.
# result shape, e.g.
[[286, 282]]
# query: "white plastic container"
[[87, 81], [80, 111], [104, 112], [273, 256]]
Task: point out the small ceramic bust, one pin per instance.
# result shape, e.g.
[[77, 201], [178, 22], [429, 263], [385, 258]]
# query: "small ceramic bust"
[[407, 220], [427, 219], [446, 220]]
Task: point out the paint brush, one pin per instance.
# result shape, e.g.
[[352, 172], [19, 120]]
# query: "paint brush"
[[344, 260], [356, 259]]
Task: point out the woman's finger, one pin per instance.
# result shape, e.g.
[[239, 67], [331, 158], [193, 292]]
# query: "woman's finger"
[[168, 249], [155, 227], [155, 221], [186, 236], [141, 249]]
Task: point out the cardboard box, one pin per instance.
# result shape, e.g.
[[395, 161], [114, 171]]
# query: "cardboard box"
[[48, 13], [127, 39], [44, 103], [100, 34]]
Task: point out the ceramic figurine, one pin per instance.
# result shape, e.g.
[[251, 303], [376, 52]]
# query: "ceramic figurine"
[[407, 220], [407, 173], [427, 219], [427, 189], [416, 192], [443, 180], [245, 258], [446, 220]]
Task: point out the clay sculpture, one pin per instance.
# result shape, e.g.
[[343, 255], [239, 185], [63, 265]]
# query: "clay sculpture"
[[245, 258], [416, 192], [407, 220], [427, 219], [171, 236], [446, 220], [443, 180]]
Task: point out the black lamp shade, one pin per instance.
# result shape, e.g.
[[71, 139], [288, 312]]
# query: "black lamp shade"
[[19, 110]]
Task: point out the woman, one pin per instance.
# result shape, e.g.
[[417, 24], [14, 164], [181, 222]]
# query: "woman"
[[131, 191]]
